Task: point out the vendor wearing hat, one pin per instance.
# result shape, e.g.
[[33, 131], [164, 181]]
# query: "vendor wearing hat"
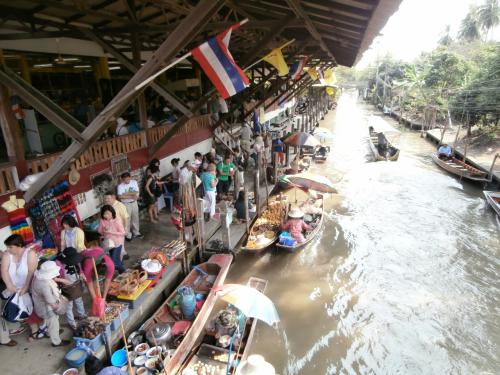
[[70, 262], [295, 225], [47, 299]]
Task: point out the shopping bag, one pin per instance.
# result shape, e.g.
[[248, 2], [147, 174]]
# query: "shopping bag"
[[18, 308], [98, 307]]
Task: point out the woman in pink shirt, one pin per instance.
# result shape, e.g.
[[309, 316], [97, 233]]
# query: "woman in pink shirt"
[[112, 231], [295, 225]]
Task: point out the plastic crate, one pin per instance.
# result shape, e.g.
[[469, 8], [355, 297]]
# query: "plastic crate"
[[115, 324], [93, 344]]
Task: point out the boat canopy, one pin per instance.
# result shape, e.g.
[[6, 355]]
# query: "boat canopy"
[[381, 126]]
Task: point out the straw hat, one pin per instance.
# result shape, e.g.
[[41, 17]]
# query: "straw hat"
[[295, 213], [121, 121], [255, 365], [74, 176], [48, 270]]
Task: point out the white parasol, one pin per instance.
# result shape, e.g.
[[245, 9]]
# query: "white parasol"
[[249, 301]]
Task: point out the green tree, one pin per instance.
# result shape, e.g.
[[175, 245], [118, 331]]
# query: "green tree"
[[446, 38], [470, 28], [489, 15]]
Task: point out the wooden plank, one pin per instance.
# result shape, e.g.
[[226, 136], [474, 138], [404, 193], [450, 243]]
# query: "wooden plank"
[[3, 188]]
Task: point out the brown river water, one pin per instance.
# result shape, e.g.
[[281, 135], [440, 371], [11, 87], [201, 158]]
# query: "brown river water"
[[404, 278]]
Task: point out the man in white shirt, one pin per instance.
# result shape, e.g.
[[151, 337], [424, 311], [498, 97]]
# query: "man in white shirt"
[[128, 193]]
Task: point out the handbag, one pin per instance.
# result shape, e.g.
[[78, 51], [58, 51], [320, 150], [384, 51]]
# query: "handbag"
[[17, 308], [62, 306], [72, 291]]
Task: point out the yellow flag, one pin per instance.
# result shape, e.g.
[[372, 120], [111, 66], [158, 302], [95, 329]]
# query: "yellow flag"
[[313, 73], [329, 77], [276, 59]]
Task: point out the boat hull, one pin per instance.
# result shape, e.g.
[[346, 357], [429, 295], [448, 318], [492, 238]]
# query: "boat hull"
[[373, 141], [493, 198], [218, 266], [461, 169]]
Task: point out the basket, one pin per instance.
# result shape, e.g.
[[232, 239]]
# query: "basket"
[[92, 344], [124, 314]]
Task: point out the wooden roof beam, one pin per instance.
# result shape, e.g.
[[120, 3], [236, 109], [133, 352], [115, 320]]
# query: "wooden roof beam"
[[300, 13], [176, 41]]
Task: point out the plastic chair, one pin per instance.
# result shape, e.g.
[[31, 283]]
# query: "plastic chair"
[[169, 200]]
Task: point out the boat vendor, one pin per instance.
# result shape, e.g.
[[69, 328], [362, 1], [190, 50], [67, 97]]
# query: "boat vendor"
[[295, 225], [101, 260], [382, 144], [445, 151]]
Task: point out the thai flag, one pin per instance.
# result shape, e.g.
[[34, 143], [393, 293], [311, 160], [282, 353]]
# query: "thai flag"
[[218, 64], [297, 68]]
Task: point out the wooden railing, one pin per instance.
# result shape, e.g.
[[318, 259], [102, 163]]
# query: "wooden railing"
[[110, 148], [7, 179]]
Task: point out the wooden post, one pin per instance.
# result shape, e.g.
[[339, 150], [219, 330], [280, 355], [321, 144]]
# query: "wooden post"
[[276, 166], [225, 225], [245, 202], [259, 161], [200, 222], [287, 155], [256, 188], [298, 126], [236, 181], [303, 121]]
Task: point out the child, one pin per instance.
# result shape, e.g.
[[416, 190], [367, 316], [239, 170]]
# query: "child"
[[47, 299], [69, 261]]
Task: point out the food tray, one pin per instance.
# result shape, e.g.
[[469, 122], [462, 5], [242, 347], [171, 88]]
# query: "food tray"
[[132, 297]]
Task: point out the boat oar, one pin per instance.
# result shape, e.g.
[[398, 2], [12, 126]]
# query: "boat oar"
[[129, 361]]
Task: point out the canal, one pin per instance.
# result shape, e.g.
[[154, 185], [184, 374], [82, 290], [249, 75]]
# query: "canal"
[[404, 279]]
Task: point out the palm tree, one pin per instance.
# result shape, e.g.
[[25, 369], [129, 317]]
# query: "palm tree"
[[489, 15], [446, 38], [470, 28]]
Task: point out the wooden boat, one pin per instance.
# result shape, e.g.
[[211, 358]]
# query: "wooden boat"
[[461, 169], [203, 278], [318, 218], [379, 127], [321, 157], [206, 347], [265, 229], [493, 198]]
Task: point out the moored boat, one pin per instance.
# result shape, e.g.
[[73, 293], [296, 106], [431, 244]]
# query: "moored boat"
[[265, 229], [461, 169], [493, 198], [212, 350], [202, 279], [382, 138]]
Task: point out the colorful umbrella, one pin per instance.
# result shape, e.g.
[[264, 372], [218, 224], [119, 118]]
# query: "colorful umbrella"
[[301, 139], [312, 181], [249, 301]]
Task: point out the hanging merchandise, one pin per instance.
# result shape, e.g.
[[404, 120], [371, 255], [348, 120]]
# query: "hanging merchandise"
[[16, 214], [48, 211]]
